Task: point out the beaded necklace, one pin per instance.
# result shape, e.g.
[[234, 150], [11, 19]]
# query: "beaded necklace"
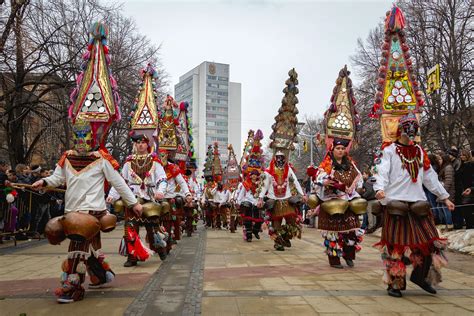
[[411, 159]]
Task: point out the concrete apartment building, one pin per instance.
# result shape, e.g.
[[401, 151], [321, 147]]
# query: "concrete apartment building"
[[214, 108]]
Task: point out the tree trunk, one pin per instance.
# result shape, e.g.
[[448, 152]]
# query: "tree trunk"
[[15, 126]]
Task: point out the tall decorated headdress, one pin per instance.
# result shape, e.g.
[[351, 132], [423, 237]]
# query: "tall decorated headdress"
[[284, 129], [144, 115], [184, 150], [216, 164], [398, 92], [255, 162], [167, 127], [341, 119], [247, 147], [232, 170], [209, 161], [95, 101]]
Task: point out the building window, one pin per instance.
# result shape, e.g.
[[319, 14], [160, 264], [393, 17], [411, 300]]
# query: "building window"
[[211, 77], [222, 78]]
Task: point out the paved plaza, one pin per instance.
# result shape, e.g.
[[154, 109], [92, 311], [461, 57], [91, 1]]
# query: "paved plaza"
[[217, 273]]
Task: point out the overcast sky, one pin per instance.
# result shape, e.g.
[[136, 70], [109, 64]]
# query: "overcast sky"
[[261, 40]]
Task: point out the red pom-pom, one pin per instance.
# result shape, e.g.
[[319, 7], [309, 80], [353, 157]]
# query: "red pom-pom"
[[311, 171], [106, 266], [182, 106], [421, 102], [94, 279], [58, 292]]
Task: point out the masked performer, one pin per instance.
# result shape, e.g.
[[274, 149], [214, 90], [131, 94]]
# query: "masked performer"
[[84, 170], [409, 233], [143, 172], [231, 177], [280, 185], [338, 178], [177, 194], [170, 143], [402, 168], [190, 209], [249, 192]]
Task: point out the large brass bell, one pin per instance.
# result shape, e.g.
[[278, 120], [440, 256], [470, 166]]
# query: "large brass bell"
[[119, 207], [108, 222], [358, 206], [374, 207], [80, 226], [151, 210], [335, 206], [54, 231], [420, 208], [313, 201], [165, 207], [395, 207]]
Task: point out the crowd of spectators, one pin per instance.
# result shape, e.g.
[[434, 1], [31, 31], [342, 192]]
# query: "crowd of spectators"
[[24, 212]]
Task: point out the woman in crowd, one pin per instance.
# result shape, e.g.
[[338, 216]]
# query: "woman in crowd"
[[446, 177]]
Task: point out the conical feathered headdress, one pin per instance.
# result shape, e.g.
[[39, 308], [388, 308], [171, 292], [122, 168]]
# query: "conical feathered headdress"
[[398, 91], [95, 99], [247, 147], [144, 115], [255, 160], [184, 151], [285, 128], [216, 164], [167, 138], [232, 170], [209, 161], [341, 119]]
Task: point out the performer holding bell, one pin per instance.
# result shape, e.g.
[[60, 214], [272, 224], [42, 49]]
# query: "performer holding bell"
[[280, 185], [402, 168], [250, 190], [84, 170], [144, 175], [338, 178]]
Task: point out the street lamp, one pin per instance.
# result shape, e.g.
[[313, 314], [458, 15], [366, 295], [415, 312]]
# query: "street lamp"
[[311, 137]]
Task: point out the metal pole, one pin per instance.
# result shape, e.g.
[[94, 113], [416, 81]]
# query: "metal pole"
[[311, 140]]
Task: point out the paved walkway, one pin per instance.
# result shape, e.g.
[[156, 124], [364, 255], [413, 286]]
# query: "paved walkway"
[[29, 276], [217, 273], [252, 279]]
